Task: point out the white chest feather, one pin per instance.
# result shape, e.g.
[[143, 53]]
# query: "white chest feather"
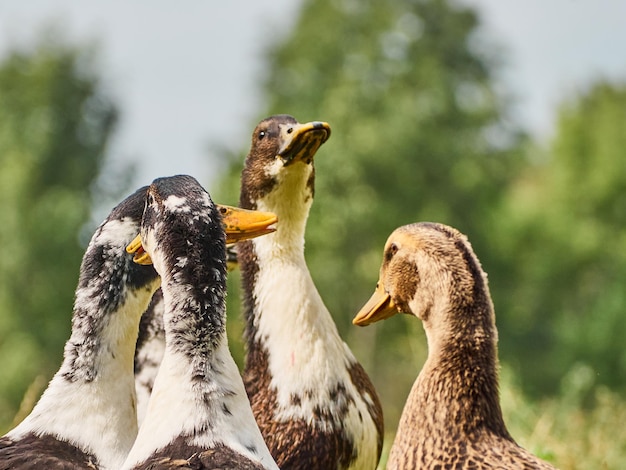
[[98, 416], [209, 412], [307, 357]]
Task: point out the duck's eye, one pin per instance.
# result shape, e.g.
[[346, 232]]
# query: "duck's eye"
[[290, 130], [392, 250], [223, 210], [261, 135], [150, 199]]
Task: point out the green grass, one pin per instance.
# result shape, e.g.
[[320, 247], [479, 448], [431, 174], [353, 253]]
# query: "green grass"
[[583, 428]]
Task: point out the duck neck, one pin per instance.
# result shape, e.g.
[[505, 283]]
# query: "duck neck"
[[280, 297], [291, 201], [462, 366], [292, 342], [90, 401], [197, 372], [194, 321], [101, 346], [275, 277], [194, 324]]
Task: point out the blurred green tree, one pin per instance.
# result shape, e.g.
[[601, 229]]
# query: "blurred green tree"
[[420, 132], [55, 121], [563, 241]]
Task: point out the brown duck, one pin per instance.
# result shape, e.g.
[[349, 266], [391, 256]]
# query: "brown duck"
[[452, 417], [314, 403]]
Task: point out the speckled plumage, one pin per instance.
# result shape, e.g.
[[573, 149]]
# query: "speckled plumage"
[[151, 338], [149, 352], [198, 415], [86, 417], [452, 417], [315, 405]]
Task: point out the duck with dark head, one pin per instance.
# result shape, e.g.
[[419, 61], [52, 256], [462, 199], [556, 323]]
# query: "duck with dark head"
[[198, 415], [315, 404], [86, 417]]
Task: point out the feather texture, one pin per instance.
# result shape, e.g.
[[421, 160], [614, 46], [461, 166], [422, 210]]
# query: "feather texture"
[[198, 415], [314, 403], [452, 417], [86, 417]]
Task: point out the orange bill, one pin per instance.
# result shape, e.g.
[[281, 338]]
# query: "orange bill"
[[135, 247], [243, 224], [378, 307]]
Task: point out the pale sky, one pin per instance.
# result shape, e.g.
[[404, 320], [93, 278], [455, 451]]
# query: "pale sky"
[[186, 73]]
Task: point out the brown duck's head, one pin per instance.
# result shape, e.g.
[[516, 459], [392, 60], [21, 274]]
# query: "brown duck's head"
[[423, 265], [278, 143]]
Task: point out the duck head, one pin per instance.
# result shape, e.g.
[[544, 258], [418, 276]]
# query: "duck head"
[[426, 268], [280, 143], [238, 224]]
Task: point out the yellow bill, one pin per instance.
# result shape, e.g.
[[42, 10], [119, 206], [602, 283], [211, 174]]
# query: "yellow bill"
[[243, 224], [378, 307], [135, 247]]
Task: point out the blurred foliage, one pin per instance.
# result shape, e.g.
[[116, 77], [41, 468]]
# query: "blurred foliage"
[[582, 428], [561, 235], [54, 125]]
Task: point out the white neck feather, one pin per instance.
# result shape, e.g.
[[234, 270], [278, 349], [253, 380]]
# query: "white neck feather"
[[97, 416], [307, 357], [305, 350], [180, 406]]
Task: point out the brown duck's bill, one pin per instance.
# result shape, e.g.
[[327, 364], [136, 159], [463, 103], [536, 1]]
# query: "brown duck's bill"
[[301, 141], [378, 307], [239, 224]]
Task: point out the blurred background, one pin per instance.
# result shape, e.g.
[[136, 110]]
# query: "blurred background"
[[505, 120]]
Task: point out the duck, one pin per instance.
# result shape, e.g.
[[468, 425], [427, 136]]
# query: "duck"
[[86, 416], [198, 415], [314, 402], [239, 224], [452, 417]]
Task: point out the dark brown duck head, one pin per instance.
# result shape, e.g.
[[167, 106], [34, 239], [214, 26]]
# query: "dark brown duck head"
[[281, 148]]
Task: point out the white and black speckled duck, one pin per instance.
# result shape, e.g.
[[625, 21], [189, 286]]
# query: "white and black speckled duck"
[[198, 415], [314, 403], [452, 417], [239, 224], [86, 416]]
